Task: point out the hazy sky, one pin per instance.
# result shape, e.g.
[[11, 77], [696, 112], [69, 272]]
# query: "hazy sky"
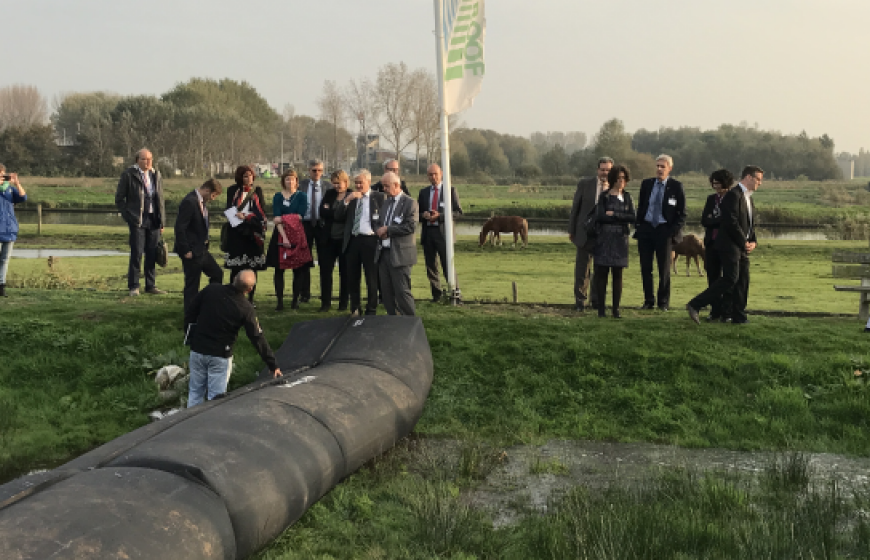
[[787, 65]]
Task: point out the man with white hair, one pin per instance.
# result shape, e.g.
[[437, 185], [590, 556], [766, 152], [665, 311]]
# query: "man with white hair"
[[397, 250], [216, 314], [661, 215], [139, 198], [390, 166], [359, 211]]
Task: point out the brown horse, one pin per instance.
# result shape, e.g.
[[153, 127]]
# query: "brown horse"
[[691, 247], [505, 224]]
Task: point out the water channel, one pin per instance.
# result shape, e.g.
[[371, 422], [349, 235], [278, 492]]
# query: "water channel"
[[463, 227]]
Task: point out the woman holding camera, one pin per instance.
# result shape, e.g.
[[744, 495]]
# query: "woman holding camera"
[[721, 181], [11, 193], [615, 213], [244, 243]]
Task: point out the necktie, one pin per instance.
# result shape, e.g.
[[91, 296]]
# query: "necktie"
[[434, 202], [389, 215], [204, 212], [314, 209], [357, 216]]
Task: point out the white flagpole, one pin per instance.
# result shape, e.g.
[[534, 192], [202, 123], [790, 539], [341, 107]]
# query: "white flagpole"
[[453, 292]]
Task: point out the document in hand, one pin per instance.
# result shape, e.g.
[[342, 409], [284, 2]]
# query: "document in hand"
[[230, 213]]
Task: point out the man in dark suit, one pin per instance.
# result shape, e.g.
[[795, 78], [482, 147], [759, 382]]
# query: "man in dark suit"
[[316, 232], [431, 203], [735, 242], [661, 215], [191, 239], [391, 166], [360, 211], [585, 198], [397, 250], [139, 198]]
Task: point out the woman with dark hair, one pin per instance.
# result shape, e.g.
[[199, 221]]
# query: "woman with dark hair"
[[326, 261], [289, 200], [244, 243], [721, 181], [615, 212]]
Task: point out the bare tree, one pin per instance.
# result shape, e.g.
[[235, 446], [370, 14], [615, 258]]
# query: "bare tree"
[[361, 103], [332, 109], [426, 123], [22, 106], [394, 100]]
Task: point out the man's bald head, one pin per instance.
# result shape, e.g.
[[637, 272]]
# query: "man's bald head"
[[434, 173], [245, 281]]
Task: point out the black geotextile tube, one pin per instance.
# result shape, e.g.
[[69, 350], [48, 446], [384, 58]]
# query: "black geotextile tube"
[[263, 455]]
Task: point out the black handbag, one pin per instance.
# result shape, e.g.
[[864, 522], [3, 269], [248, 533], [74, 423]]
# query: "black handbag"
[[162, 256], [591, 224]]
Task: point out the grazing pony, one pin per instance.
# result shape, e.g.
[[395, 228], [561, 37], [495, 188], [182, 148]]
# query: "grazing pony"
[[505, 224], [691, 247]]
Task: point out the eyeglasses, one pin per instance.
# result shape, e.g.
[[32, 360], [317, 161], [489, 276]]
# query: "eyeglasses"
[[393, 169], [317, 170]]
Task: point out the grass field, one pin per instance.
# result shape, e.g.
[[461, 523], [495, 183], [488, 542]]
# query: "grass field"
[[786, 275], [779, 202], [75, 363]]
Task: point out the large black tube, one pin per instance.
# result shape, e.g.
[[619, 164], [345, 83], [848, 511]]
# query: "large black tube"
[[273, 448]]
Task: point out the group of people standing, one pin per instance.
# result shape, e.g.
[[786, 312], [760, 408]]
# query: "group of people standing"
[[601, 218]]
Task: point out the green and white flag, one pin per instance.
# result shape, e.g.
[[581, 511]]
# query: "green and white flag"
[[464, 68]]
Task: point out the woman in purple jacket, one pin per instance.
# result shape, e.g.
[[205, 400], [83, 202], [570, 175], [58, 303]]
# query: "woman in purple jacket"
[[11, 193]]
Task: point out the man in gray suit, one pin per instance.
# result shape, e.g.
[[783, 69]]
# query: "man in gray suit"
[[397, 250], [585, 197]]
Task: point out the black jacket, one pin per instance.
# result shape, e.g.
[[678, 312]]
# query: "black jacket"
[[219, 311], [674, 214], [737, 226], [130, 196], [344, 213], [327, 213], [424, 206], [711, 219], [625, 217], [191, 229], [379, 187]]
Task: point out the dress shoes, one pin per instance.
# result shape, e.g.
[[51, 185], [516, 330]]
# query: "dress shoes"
[[154, 291], [647, 306], [693, 314], [305, 299], [579, 307], [342, 309], [616, 314], [134, 292], [664, 308], [740, 321], [324, 308]]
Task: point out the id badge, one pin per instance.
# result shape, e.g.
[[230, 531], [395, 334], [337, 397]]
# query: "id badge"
[[398, 219], [286, 203], [672, 201], [376, 217]]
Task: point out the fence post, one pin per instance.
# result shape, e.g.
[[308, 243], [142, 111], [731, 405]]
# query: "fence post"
[[39, 219], [516, 294]]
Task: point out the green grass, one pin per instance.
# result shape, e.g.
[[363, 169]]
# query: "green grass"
[[779, 202], [786, 275]]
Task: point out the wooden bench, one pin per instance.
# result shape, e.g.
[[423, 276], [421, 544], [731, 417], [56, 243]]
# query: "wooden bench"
[[854, 265]]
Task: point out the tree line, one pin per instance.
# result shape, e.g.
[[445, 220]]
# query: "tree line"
[[203, 125]]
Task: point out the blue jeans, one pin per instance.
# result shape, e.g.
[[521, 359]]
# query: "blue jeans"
[[208, 374], [5, 254]]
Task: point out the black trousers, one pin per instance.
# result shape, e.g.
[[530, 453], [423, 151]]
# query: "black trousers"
[[194, 269], [360, 256], [143, 242], [600, 286], [318, 237], [655, 243], [331, 255], [301, 281], [732, 288], [434, 249], [713, 266]]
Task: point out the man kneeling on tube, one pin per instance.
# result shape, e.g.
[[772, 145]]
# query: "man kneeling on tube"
[[214, 318]]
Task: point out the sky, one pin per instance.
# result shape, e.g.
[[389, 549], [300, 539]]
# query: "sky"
[[552, 65]]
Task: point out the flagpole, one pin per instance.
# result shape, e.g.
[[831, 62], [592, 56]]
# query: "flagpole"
[[452, 290]]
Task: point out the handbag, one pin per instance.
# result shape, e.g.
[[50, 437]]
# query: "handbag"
[[162, 252], [591, 224]]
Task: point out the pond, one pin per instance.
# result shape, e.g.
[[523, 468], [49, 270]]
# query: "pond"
[[463, 227]]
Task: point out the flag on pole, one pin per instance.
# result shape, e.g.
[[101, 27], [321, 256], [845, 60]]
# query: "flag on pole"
[[464, 30]]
